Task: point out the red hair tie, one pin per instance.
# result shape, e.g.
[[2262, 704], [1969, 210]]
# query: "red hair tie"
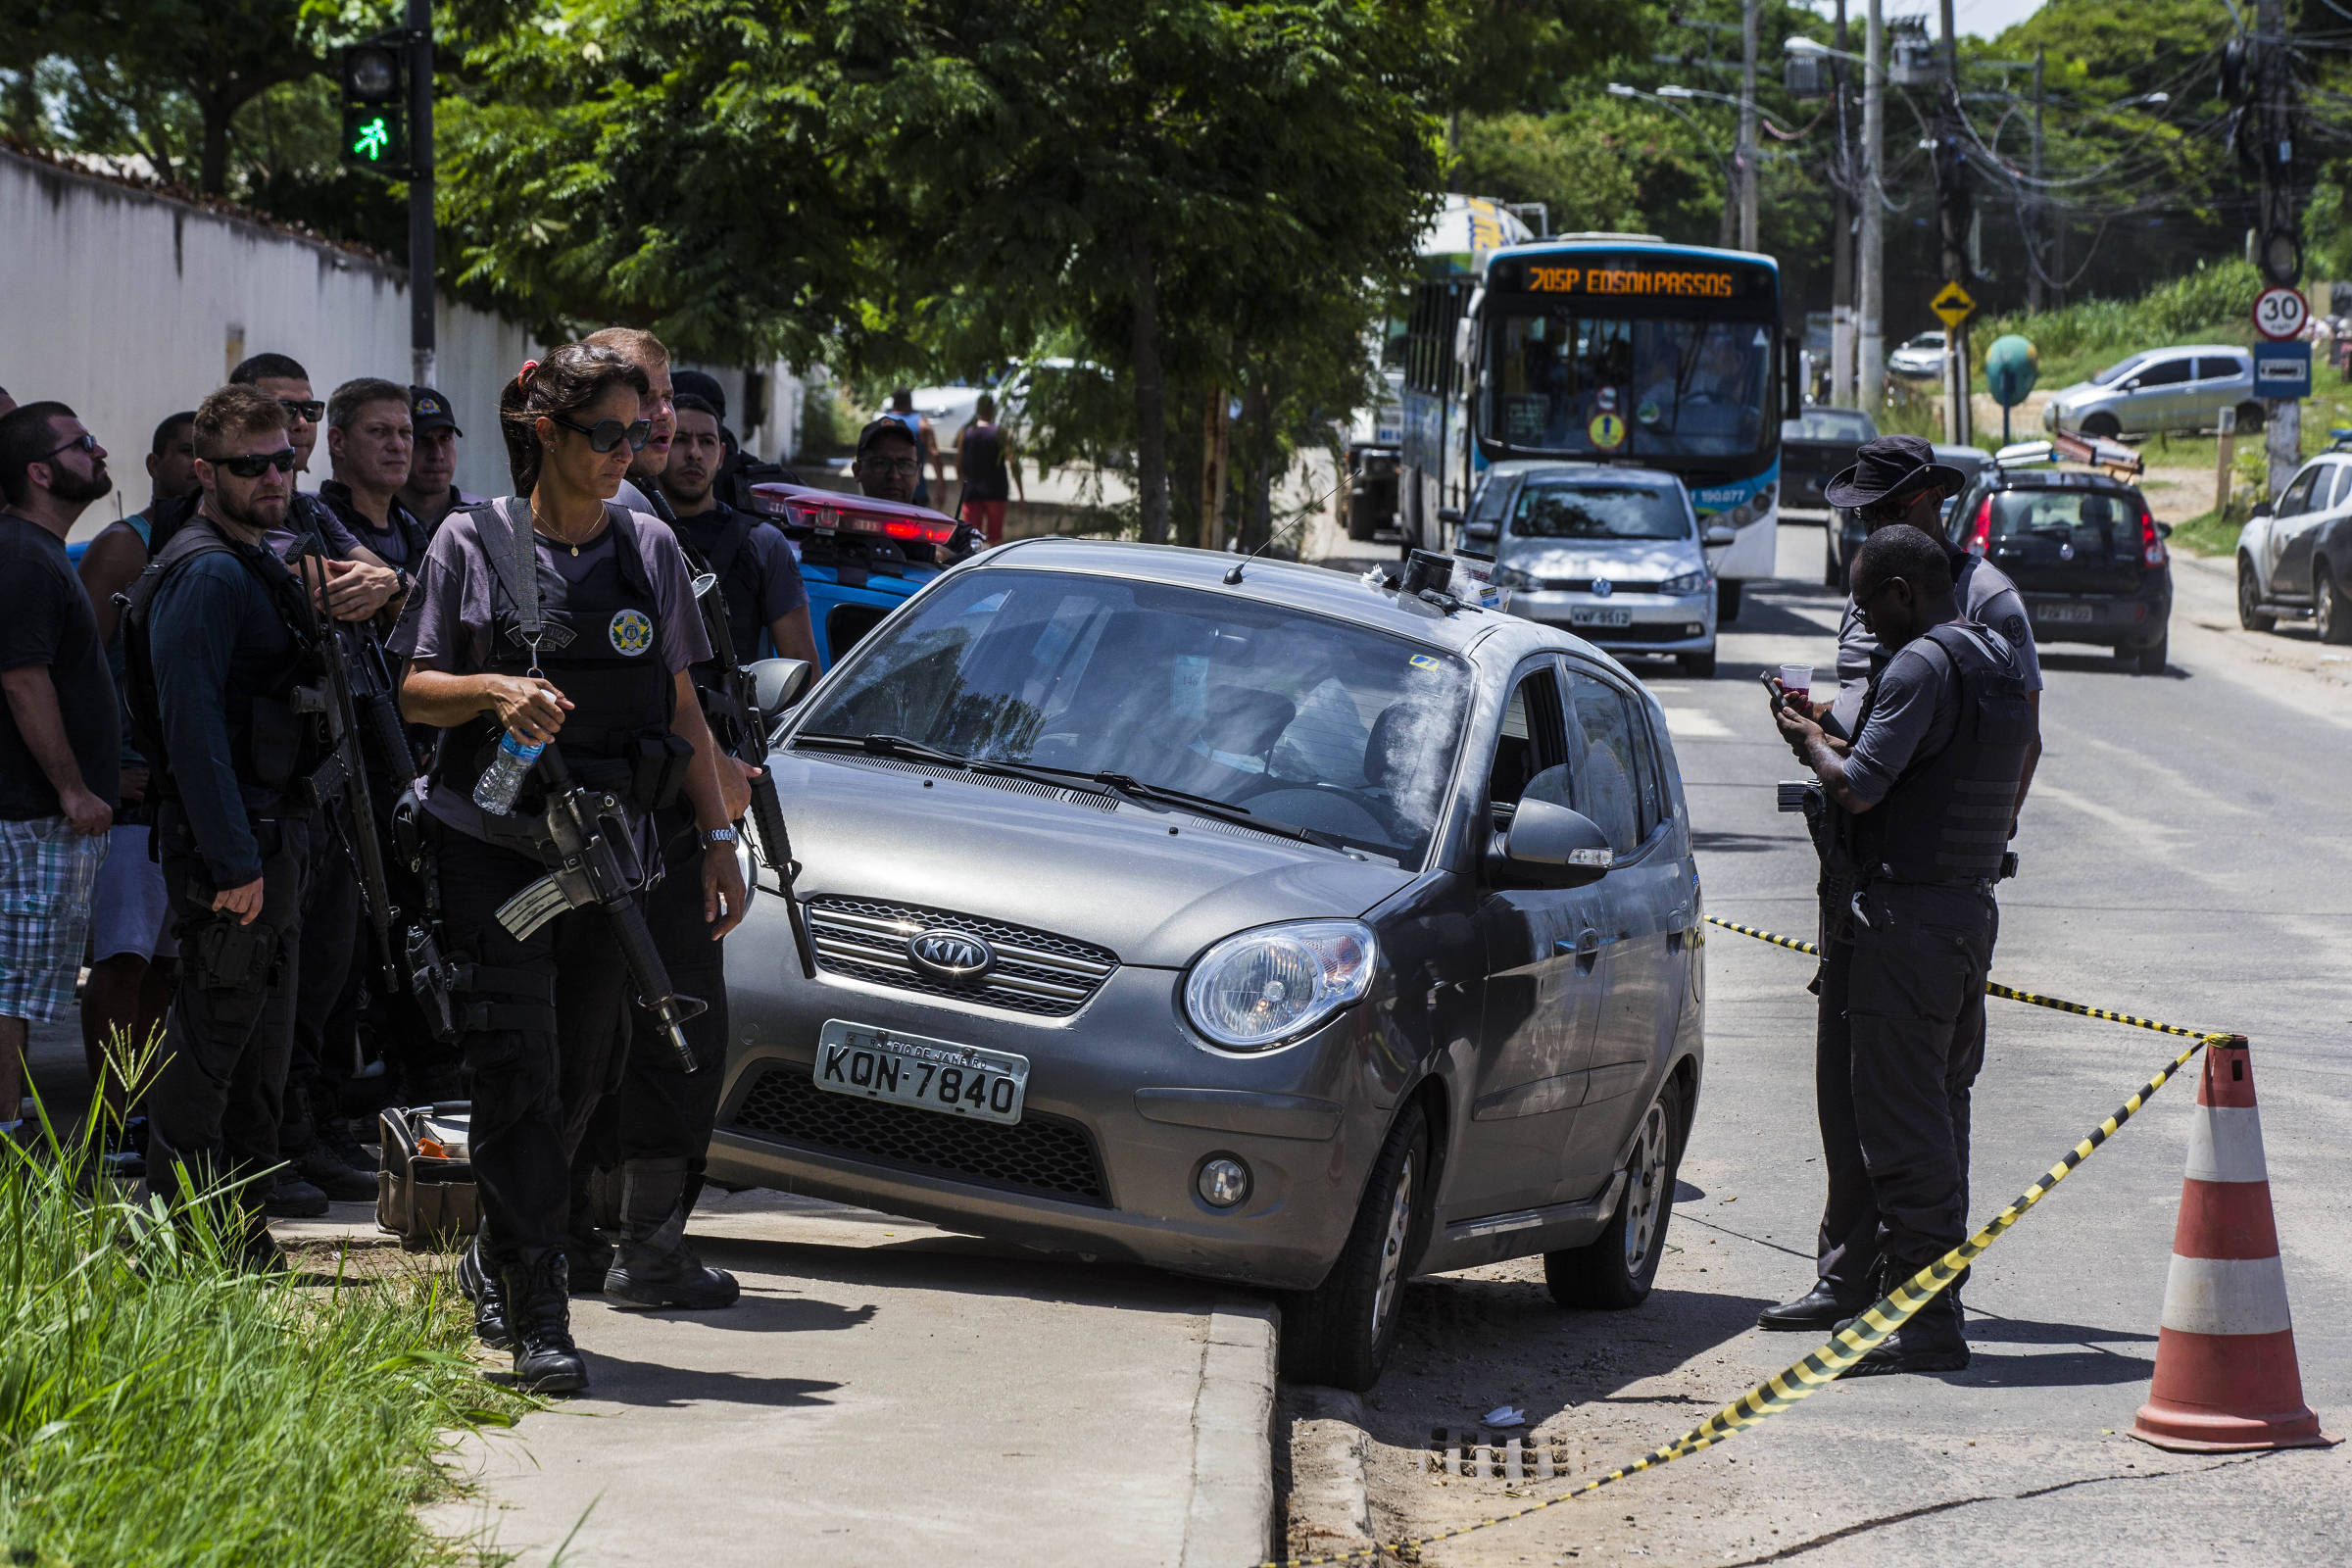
[[522, 378]]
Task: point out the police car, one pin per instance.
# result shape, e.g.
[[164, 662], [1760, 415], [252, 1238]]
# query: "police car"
[[861, 558]]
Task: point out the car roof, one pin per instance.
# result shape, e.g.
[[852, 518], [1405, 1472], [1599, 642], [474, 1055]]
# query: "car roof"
[[2052, 478], [2190, 347], [1554, 468], [1290, 584]]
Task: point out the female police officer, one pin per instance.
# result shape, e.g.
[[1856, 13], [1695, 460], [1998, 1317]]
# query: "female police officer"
[[551, 615]]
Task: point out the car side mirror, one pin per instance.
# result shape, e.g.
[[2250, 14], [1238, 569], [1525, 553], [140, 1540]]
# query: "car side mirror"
[[777, 684], [1485, 531], [2164, 530], [1450, 516], [1549, 845], [2131, 385], [1718, 534], [2262, 509]]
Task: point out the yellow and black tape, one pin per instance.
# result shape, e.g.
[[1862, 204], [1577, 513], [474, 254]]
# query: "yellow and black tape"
[[1817, 1370]]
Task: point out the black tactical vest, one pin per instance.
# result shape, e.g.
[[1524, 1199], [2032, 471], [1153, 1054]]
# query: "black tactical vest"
[[731, 561], [1947, 817], [269, 744], [599, 643]]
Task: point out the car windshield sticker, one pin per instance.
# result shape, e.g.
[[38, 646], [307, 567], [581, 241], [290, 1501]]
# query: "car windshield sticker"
[[631, 632], [1607, 431], [1423, 661]]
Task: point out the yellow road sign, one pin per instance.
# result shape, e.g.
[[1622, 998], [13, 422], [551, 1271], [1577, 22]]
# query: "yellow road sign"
[[1952, 303]]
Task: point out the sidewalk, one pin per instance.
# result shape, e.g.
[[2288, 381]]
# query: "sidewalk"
[[886, 1393]]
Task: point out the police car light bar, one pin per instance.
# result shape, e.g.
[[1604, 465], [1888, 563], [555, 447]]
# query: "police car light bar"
[[845, 515]]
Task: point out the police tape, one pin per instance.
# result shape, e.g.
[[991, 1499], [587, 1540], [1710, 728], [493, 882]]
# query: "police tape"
[[1785, 1388]]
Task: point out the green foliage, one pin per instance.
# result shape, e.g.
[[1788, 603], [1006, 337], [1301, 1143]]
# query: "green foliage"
[[158, 1406]]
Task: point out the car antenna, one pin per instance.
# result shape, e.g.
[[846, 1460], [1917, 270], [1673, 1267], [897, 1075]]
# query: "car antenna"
[[1233, 574]]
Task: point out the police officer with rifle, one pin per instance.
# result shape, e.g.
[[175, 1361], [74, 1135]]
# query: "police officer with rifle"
[[1918, 813], [228, 677], [549, 642]]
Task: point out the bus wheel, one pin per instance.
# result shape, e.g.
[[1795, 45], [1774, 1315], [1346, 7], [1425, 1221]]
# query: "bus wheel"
[[1726, 598]]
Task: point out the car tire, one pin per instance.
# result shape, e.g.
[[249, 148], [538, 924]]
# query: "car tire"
[[2103, 426], [2250, 615], [1726, 598], [1340, 1333], [2152, 657], [2249, 417], [2329, 612], [1698, 666], [1617, 1269]]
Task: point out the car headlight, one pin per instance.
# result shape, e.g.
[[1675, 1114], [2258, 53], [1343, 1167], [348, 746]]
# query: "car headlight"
[[1512, 577], [1683, 584], [1261, 987]]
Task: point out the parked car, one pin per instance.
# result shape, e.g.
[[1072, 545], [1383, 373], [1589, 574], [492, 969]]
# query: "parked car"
[[1249, 922], [1615, 554], [2183, 388], [1814, 448], [1846, 533], [2294, 559], [2087, 558], [1922, 356], [861, 558]]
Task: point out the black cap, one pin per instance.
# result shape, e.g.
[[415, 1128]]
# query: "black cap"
[[428, 409], [1886, 465], [702, 385], [881, 425]]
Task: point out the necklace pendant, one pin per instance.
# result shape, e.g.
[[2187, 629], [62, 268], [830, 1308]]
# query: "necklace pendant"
[[576, 551]]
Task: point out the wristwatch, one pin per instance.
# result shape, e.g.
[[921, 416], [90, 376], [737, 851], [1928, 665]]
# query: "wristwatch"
[[716, 836], [402, 582]]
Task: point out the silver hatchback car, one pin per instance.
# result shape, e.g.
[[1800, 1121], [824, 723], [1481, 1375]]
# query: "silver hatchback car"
[[2183, 388], [1256, 922]]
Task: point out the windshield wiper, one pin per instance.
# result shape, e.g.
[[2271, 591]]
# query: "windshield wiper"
[[899, 746], [1222, 811]]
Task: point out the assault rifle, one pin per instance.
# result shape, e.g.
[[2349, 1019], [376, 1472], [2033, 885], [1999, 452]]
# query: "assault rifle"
[[595, 847]]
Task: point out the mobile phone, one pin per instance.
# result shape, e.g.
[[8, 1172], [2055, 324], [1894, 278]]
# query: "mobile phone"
[[1770, 690]]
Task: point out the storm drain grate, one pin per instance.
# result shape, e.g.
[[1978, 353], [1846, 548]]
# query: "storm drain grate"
[[1497, 1456], [1040, 1153]]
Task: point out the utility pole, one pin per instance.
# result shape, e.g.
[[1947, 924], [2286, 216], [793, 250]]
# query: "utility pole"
[[1841, 236], [2278, 248], [1952, 215], [2036, 201], [421, 292], [1749, 14], [1871, 372]]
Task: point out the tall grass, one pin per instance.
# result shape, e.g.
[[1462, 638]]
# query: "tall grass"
[[159, 1405], [2211, 304]]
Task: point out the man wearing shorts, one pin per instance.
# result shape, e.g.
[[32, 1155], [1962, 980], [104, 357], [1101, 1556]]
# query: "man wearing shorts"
[[58, 734]]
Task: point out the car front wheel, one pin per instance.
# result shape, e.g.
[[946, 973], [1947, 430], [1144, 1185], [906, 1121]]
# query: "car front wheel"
[[1341, 1331], [1616, 1270], [2250, 614], [2329, 612], [1726, 598], [2103, 426]]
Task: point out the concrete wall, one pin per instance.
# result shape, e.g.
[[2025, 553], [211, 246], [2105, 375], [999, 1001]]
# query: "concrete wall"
[[129, 306]]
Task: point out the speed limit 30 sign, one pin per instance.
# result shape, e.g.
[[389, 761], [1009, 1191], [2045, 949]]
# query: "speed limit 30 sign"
[[2280, 313]]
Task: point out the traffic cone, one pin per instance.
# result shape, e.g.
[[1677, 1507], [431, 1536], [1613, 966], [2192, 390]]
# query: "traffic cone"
[[2226, 1374]]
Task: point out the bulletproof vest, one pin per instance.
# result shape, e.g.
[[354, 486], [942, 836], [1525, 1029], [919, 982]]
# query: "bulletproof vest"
[[1948, 817], [599, 643], [269, 744], [732, 561], [414, 540]]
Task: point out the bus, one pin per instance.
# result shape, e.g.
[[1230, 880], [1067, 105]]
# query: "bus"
[[1605, 347]]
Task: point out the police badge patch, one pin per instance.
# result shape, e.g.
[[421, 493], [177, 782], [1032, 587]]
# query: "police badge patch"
[[631, 632]]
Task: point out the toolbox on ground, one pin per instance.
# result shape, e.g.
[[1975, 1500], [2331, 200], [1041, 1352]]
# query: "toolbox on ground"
[[424, 1191]]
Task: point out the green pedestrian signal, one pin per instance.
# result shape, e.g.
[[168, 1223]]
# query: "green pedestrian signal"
[[376, 138], [374, 141], [375, 124]]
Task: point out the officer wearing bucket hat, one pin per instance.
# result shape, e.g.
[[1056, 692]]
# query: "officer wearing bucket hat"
[[1894, 479]]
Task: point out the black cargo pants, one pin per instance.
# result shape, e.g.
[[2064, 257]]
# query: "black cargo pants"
[[544, 1051], [326, 1003], [1899, 1044], [218, 1094]]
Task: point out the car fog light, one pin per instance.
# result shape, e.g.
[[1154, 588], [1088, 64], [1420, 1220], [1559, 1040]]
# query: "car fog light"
[[1223, 1182]]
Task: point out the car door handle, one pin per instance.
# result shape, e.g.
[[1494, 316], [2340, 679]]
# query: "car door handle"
[[1586, 948]]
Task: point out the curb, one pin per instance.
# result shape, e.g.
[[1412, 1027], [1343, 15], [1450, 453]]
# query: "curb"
[[1230, 1519]]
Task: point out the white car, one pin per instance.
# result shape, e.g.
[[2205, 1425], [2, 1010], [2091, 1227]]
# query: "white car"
[[2294, 561], [950, 407], [1921, 356]]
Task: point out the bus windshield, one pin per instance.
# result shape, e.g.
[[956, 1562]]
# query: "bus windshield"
[[1562, 381]]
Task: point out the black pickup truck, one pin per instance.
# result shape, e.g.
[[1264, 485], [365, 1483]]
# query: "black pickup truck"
[[1813, 448]]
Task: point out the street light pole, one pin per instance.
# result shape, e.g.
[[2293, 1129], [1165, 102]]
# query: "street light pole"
[[1841, 240], [1748, 17], [2278, 235], [2039, 202], [1871, 374], [421, 193]]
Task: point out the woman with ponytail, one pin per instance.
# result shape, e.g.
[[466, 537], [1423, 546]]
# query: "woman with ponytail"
[[553, 616]]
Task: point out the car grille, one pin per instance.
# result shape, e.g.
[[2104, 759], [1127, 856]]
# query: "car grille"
[[1584, 585], [1036, 972], [1039, 1153]]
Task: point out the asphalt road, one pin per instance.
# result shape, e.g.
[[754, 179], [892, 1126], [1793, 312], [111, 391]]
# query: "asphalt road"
[[2184, 858]]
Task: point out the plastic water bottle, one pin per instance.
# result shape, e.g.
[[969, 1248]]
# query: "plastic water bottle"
[[503, 779]]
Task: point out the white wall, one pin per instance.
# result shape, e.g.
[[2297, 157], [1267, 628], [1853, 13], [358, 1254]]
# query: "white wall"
[[130, 305]]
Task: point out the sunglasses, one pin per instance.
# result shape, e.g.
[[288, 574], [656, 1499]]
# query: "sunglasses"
[[605, 434], [282, 460], [312, 412], [85, 441]]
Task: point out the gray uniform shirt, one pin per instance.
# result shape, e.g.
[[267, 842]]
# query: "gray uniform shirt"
[[1986, 597], [1917, 711]]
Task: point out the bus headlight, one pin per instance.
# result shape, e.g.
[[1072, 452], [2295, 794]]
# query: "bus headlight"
[[1742, 515]]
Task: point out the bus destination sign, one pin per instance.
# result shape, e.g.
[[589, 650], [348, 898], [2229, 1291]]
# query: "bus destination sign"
[[1626, 278]]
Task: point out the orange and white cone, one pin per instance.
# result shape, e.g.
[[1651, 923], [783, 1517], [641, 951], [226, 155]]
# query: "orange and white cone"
[[2227, 1378]]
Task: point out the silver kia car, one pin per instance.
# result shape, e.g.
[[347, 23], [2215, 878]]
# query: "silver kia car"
[[1253, 920]]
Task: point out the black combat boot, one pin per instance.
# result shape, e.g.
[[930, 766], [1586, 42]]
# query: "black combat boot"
[[485, 1286], [654, 1266], [1819, 1307], [1933, 1341], [539, 1318]]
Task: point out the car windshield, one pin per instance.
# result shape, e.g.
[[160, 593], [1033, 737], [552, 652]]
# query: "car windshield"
[[2082, 520], [1298, 719], [1925, 340], [1568, 382], [2118, 371], [1598, 511], [1828, 424]]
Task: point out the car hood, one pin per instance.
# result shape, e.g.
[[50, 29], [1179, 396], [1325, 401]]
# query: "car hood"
[[931, 837], [2079, 392], [1628, 560]]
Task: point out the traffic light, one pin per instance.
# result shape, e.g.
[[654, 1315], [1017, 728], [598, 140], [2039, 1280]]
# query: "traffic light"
[[375, 115]]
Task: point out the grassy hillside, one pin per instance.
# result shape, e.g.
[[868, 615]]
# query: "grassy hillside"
[[2210, 305]]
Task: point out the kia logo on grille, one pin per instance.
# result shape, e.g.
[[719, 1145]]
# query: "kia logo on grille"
[[951, 954]]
